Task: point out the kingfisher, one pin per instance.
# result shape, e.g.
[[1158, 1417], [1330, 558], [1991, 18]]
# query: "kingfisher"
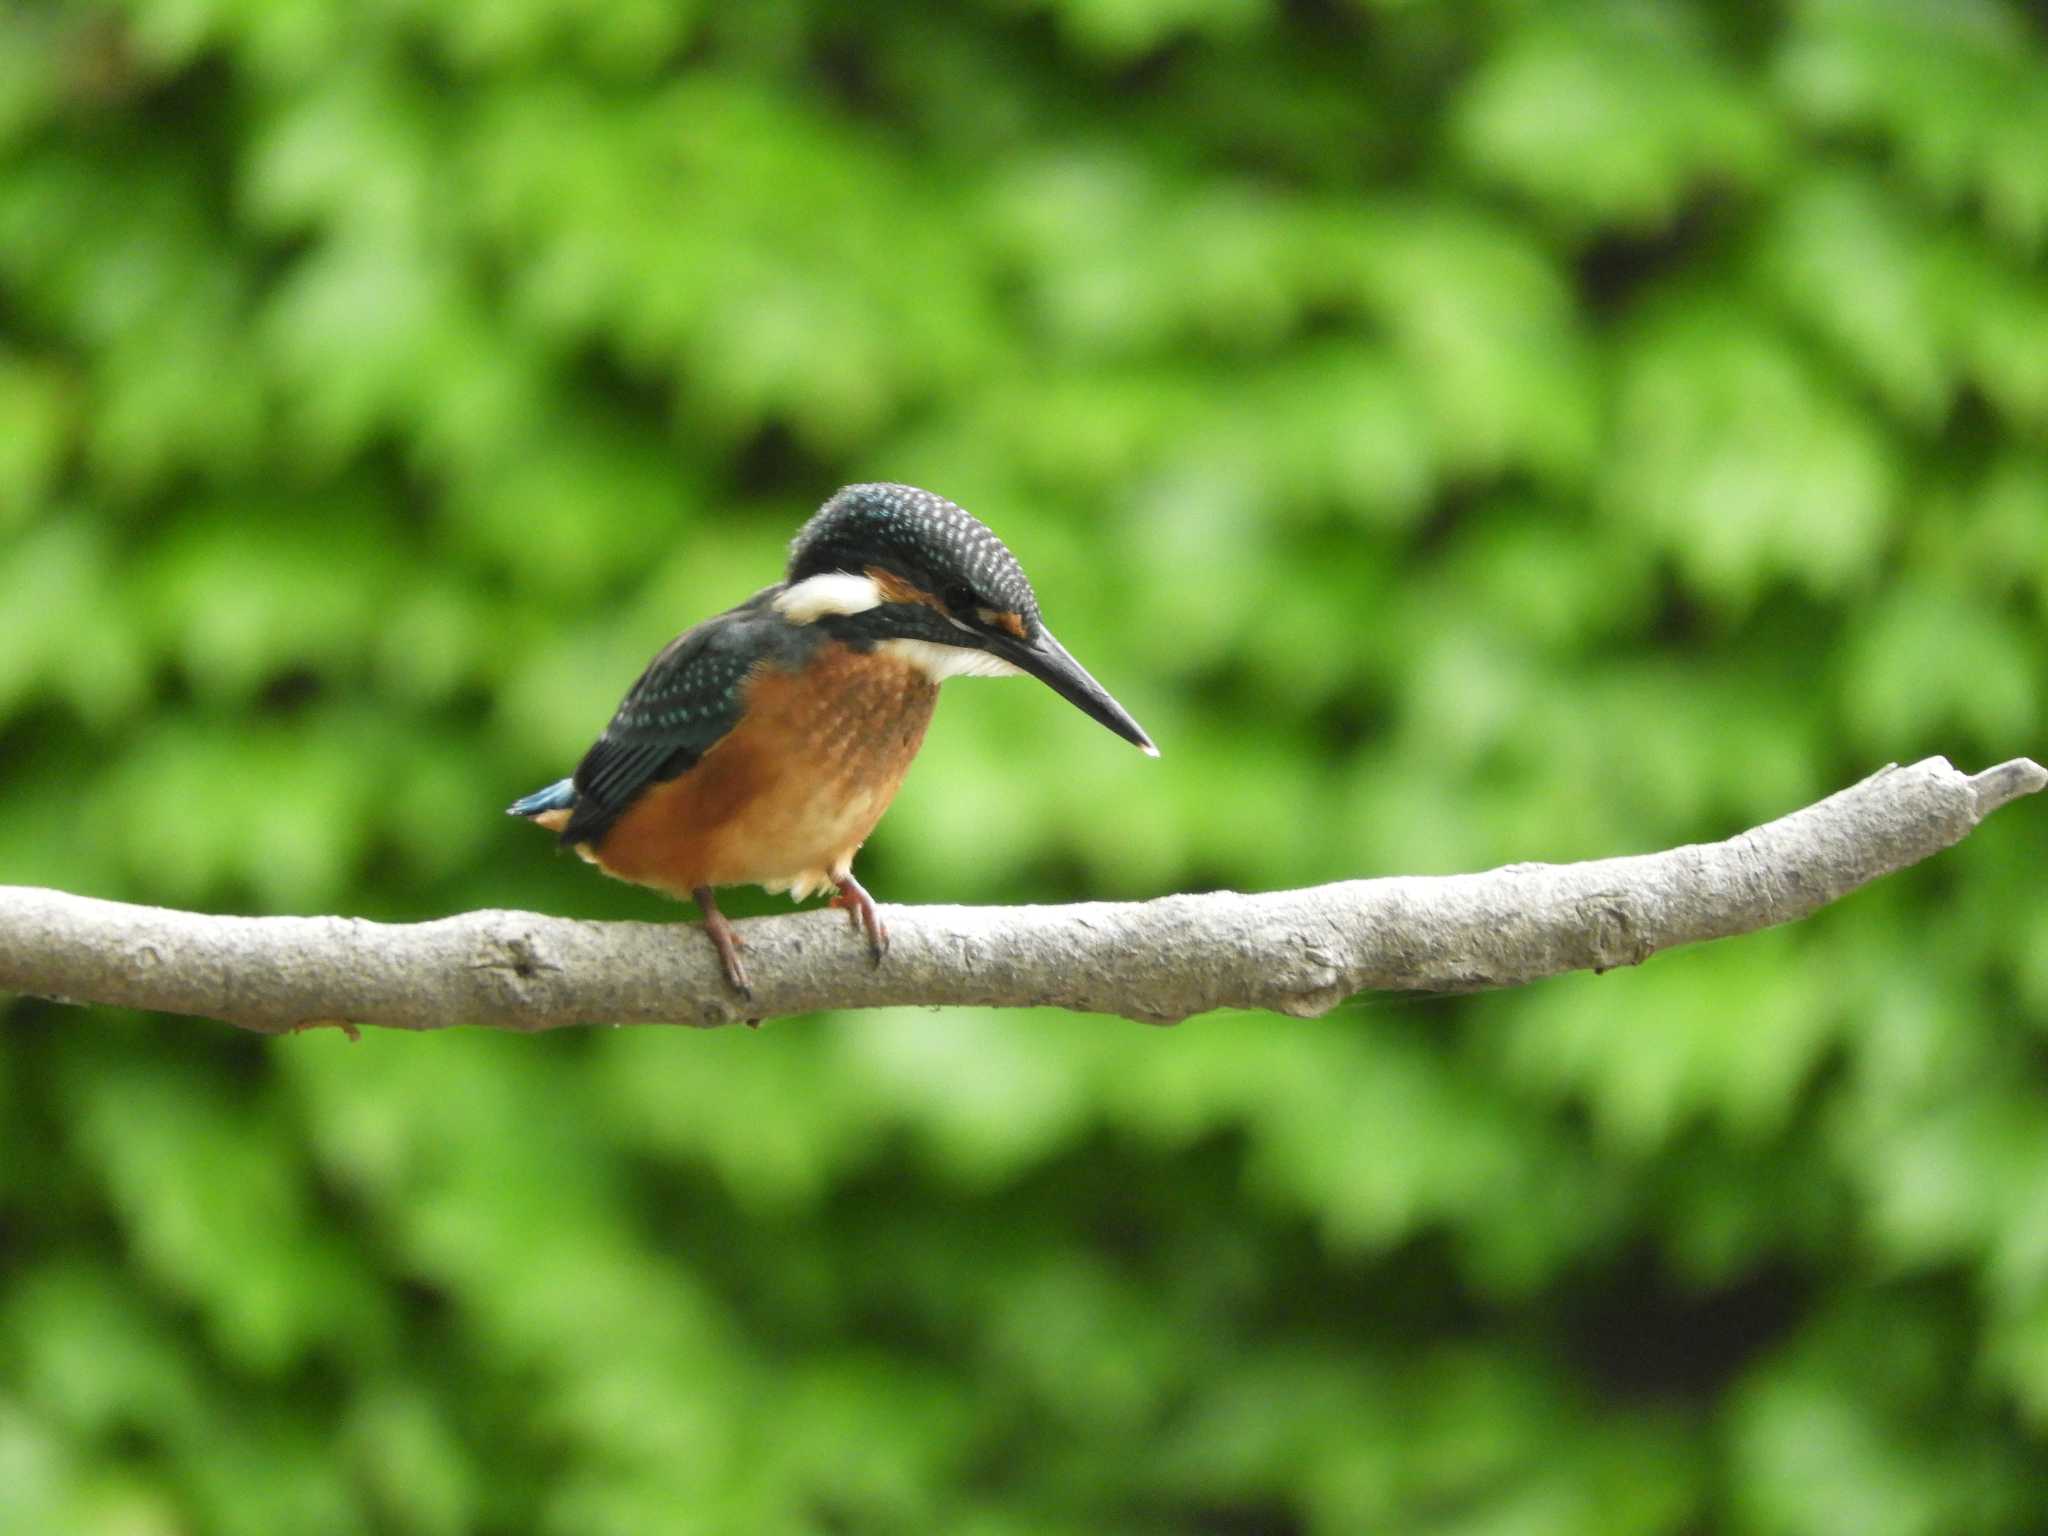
[[762, 746]]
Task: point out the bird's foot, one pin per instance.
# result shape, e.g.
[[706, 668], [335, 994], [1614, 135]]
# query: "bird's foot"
[[863, 913], [729, 943]]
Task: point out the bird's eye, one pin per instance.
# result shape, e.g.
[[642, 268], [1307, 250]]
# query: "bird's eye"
[[960, 597]]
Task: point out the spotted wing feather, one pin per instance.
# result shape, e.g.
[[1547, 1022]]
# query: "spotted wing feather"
[[691, 695]]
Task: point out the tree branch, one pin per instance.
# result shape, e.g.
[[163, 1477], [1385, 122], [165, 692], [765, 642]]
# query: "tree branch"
[[1300, 952]]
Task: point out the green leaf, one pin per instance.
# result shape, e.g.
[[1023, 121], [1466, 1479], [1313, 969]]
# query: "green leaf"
[[38, 422], [1120, 29], [1736, 458], [217, 1211], [1956, 88], [1923, 658], [423, 1478], [1735, 1036], [96, 1358], [1612, 114], [1847, 262]]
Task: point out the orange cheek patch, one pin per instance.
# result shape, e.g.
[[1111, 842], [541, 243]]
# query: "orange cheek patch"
[[895, 589], [1011, 623]]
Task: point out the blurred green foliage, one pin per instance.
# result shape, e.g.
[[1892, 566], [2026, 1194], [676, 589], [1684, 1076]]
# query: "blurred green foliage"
[[1463, 432]]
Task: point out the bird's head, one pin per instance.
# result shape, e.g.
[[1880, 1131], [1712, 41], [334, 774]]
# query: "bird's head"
[[902, 568]]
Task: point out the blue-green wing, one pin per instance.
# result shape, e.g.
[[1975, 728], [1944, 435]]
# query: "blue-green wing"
[[690, 695]]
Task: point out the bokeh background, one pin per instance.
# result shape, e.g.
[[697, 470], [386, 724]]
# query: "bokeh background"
[[1462, 432]]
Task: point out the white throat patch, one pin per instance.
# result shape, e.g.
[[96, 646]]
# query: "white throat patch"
[[939, 662], [832, 592]]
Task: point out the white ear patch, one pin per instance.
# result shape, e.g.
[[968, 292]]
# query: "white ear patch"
[[939, 662], [833, 592]]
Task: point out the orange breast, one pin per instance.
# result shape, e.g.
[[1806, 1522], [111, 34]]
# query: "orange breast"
[[786, 797]]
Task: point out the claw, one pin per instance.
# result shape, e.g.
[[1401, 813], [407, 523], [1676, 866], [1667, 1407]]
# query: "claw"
[[728, 941], [862, 911]]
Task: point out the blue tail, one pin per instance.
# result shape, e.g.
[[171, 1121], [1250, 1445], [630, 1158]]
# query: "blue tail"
[[558, 796]]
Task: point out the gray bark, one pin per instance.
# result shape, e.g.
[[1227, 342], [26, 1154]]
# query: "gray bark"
[[1300, 952]]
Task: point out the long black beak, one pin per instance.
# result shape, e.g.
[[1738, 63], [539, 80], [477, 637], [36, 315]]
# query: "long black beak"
[[1048, 661]]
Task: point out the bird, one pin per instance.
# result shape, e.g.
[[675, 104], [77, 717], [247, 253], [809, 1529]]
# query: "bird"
[[762, 746]]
